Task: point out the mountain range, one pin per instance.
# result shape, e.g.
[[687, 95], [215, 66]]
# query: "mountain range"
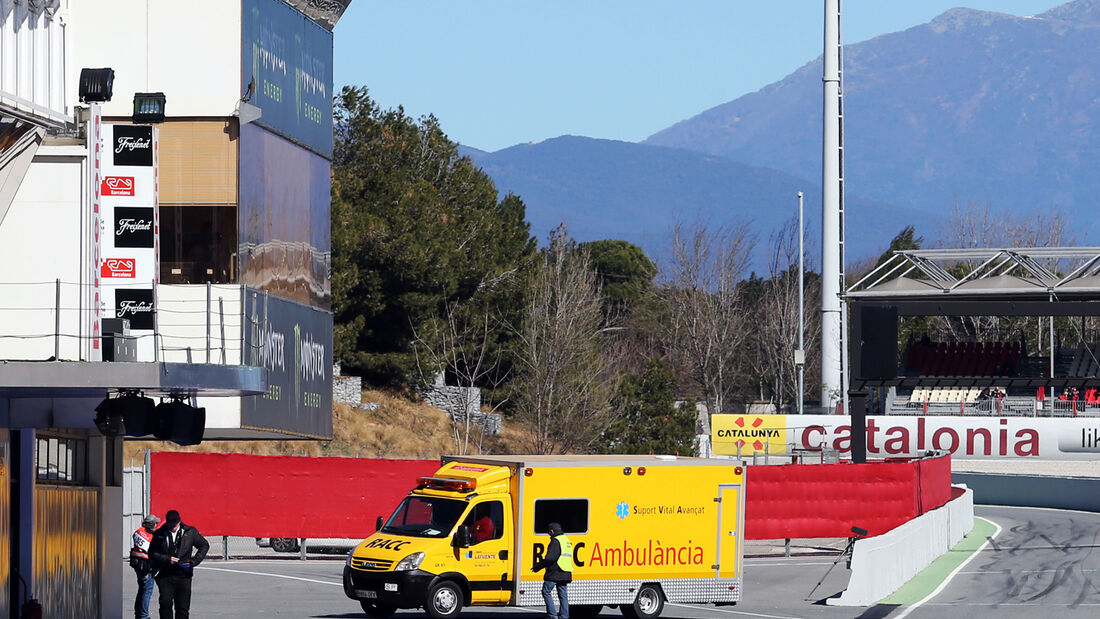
[[973, 106]]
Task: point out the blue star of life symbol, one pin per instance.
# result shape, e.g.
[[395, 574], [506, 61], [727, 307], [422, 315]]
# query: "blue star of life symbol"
[[622, 509]]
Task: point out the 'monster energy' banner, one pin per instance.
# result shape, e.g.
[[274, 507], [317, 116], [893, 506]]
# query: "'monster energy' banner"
[[1060, 438]]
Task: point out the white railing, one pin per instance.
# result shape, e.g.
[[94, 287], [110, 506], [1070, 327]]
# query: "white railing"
[[1011, 406], [41, 321]]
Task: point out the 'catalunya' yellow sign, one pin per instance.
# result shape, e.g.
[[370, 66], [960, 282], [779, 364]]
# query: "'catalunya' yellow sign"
[[749, 434]]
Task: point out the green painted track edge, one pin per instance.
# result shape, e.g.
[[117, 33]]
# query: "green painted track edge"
[[932, 576]]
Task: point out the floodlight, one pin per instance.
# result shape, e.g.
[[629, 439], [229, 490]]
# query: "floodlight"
[[96, 85], [148, 107], [129, 414], [180, 422]]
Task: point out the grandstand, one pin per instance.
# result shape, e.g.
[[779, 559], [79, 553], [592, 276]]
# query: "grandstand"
[[1054, 373]]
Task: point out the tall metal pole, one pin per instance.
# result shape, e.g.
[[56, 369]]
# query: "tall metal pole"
[[800, 355], [831, 241]]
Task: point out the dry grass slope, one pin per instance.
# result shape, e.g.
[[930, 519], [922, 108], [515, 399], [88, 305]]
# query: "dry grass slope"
[[398, 428]]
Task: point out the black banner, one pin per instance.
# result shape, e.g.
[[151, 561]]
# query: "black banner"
[[294, 343], [133, 145], [133, 227], [136, 305]]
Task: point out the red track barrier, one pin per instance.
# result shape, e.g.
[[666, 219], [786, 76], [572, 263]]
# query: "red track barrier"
[[281, 496], [827, 500]]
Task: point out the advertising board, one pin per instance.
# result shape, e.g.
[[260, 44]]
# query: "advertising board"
[[1052, 438], [286, 60], [284, 244], [294, 343], [894, 435], [129, 264]]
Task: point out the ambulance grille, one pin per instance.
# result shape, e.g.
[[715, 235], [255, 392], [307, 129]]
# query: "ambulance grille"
[[371, 565]]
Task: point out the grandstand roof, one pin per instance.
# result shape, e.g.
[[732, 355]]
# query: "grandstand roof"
[[1019, 273]]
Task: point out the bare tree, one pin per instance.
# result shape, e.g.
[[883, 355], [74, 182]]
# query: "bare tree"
[[460, 344], [565, 385], [774, 308], [706, 317], [976, 225]]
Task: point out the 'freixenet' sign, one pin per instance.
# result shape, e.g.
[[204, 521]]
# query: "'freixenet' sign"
[[132, 145]]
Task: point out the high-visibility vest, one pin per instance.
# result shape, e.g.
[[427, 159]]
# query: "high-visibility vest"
[[565, 559], [142, 539]]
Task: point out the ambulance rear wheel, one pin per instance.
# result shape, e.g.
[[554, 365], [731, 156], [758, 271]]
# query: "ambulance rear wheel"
[[647, 605], [377, 611], [444, 600]]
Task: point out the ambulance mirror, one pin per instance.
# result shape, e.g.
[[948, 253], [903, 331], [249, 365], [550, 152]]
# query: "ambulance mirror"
[[462, 537], [378, 524]]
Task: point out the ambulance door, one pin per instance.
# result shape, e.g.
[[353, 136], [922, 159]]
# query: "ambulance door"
[[730, 530], [487, 561]]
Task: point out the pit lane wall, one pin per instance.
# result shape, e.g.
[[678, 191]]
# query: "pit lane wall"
[[882, 564]]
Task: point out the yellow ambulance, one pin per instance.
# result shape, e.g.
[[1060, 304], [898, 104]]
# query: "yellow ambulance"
[[645, 530]]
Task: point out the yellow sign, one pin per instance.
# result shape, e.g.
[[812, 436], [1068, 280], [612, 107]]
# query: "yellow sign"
[[745, 435]]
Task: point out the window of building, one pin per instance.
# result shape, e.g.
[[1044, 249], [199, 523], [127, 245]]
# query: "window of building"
[[571, 514], [198, 244], [61, 460]]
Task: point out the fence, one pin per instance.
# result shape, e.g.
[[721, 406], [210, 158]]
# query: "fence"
[[1011, 406], [192, 323], [135, 500]]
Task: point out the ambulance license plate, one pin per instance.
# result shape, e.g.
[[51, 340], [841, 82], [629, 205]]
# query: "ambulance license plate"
[[370, 595]]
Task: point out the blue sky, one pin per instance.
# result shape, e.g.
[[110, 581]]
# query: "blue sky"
[[501, 72]]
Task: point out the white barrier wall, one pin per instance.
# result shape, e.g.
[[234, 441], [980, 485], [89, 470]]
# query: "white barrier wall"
[[882, 564], [41, 242]]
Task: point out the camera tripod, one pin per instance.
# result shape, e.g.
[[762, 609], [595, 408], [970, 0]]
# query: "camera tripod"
[[860, 533]]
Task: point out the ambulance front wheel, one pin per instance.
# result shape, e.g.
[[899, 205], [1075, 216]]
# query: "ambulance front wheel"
[[649, 604], [380, 611], [444, 600]]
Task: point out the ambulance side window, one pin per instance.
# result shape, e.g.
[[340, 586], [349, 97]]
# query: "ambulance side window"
[[486, 521], [571, 514]]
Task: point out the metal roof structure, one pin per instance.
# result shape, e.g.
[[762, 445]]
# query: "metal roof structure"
[[1020, 273]]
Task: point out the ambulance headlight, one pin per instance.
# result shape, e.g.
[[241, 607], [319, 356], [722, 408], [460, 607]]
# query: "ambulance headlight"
[[410, 562], [348, 561]]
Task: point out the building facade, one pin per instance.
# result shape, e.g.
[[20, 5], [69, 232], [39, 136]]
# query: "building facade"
[[207, 231]]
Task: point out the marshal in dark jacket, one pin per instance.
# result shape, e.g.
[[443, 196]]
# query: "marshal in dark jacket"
[[550, 563], [191, 549]]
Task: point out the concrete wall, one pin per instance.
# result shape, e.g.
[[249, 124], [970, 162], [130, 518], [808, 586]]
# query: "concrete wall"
[[882, 564], [41, 241], [190, 51], [1082, 493]]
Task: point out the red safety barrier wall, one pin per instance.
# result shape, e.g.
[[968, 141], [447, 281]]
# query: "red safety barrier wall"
[[827, 500], [281, 496], [933, 483]]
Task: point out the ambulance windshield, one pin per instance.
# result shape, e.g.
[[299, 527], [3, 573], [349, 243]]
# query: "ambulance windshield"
[[421, 516]]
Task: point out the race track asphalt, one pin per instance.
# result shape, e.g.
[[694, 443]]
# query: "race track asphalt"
[[1041, 563]]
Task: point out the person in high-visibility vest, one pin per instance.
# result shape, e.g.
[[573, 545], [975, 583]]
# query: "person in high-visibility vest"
[[558, 564], [143, 567]]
